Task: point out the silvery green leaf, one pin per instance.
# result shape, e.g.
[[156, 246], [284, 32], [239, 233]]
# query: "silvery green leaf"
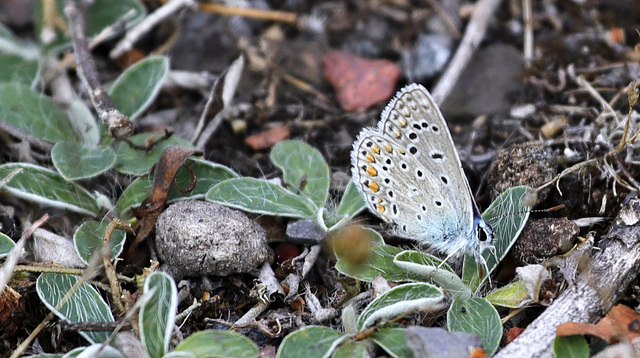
[[136, 88], [47, 188], [391, 339], [352, 349], [137, 161], [78, 161], [304, 169], [401, 300], [511, 295], [476, 315], [6, 245], [571, 347], [431, 268], [85, 305], [351, 203], [261, 197], [89, 237], [507, 215], [104, 352], [34, 113], [224, 343], [309, 342], [84, 122], [16, 69], [379, 263], [157, 315]]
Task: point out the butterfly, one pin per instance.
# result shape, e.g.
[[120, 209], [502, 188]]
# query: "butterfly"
[[409, 172]]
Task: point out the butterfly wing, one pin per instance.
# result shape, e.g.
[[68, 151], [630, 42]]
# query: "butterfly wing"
[[410, 173]]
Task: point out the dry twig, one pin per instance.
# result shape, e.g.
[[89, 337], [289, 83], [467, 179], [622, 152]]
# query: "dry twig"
[[118, 124], [473, 35]]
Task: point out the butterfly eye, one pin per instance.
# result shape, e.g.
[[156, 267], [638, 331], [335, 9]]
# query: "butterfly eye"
[[482, 235]]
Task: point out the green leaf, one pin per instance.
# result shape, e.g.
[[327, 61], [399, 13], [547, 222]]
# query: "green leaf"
[[431, 268], [512, 295], [89, 237], [137, 162], [571, 347], [34, 113], [352, 349], [308, 342], [350, 205], [158, 314], [220, 344], [78, 161], [207, 173], [261, 197], [507, 215], [476, 315], [85, 305], [393, 342], [303, 167], [85, 123], [102, 13], [92, 352], [47, 188], [137, 87], [6, 245], [16, 69], [401, 300], [379, 263]]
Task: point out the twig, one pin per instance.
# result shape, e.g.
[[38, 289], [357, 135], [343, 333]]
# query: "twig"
[[119, 27], [63, 270], [163, 12], [473, 35], [15, 132], [451, 21], [597, 288], [528, 32], [582, 82], [109, 270], [266, 15], [118, 124]]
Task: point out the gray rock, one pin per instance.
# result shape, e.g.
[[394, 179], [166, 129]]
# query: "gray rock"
[[197, 238], [484, 86], [304, 232]]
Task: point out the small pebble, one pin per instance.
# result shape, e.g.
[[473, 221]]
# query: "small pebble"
[[304, 232], [360, 83], [196, 238]]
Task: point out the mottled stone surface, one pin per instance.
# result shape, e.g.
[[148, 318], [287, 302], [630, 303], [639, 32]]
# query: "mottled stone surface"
[[199, 238], [529, 163]]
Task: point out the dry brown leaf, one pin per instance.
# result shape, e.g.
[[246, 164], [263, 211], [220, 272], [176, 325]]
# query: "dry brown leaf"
[[166, 169], [618, 323], [268, 138]]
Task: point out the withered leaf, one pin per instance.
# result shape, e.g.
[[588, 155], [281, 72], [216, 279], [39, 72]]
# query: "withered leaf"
[[165, 169], [618, 323]]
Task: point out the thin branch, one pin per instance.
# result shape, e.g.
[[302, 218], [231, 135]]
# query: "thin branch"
[[146, 25], [473, 35], [266, 15], [528, 32], [118, 124]]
